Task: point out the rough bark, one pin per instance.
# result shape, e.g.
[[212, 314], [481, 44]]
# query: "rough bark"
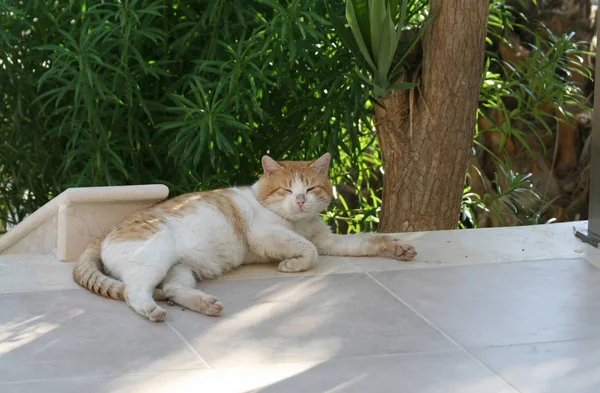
[[426, 135]]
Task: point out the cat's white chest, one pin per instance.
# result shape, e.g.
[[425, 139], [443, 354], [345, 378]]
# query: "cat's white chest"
[[304, 229], [264, 217]]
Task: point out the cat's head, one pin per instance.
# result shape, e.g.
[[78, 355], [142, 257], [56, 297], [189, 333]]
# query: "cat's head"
[[295, 190]]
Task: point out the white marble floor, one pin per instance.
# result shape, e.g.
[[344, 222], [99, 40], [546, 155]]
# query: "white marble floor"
[[480, 311]]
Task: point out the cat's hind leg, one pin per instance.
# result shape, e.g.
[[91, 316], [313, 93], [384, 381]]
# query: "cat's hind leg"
[[142, 266], [180, 287]]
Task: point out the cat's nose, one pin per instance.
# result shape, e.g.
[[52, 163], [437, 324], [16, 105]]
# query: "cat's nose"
[[300, 197]]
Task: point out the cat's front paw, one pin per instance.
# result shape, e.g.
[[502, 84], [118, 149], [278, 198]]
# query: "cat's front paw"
[[395, 248]]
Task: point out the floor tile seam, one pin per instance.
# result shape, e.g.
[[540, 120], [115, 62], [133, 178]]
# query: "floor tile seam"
[[224, 382], [349, 261], [457, 265], [188, 345], [350, 264], [290, 275], [2, 292], [102, 376], [338, 359], [454, 342], [285, 276], [522, 344], [594, 264], [306, 273]]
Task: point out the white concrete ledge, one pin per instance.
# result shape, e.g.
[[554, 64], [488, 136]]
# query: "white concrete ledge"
[[66, 224]]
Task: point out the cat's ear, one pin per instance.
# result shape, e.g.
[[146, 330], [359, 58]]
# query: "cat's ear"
[[322, 164], [269, 165]]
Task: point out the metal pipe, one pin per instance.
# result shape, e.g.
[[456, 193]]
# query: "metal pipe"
[[592, 235]]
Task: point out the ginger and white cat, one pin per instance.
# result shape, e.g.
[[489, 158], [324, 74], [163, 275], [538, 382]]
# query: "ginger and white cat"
[[160, 252]]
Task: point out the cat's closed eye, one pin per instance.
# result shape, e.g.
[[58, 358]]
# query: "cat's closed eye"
[[286, 190], [310, 189]]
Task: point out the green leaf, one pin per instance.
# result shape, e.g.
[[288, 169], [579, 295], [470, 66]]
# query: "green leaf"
[[360, 39], [361, 11], [377, 20], [403, 86]]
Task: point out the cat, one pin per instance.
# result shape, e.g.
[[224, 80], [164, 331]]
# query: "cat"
[[160, 253]]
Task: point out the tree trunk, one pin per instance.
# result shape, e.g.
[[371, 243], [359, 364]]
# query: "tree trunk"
[[426, 135]]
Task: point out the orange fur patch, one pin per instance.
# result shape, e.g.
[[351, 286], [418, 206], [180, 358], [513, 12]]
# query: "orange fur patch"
[[145, 224], [137, 226]]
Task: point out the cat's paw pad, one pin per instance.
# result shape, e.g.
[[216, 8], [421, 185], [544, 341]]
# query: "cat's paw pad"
[[211, 307], [390, 246], [157, 314], [405, 252], [293, 265]]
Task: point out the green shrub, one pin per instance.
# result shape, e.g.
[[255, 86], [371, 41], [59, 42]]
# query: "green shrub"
[[189, 94]]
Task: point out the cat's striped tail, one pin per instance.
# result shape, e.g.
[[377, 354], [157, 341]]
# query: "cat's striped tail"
[[88, 272]]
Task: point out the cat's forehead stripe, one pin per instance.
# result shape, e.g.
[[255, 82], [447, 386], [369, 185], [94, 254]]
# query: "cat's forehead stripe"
[[298, 177]]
